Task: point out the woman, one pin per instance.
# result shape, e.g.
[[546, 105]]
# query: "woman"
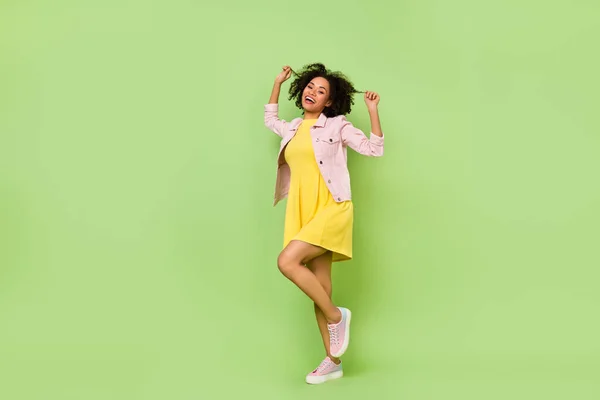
[[313, 175]]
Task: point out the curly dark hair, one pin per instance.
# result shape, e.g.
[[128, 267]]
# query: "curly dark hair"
[[341, 90]]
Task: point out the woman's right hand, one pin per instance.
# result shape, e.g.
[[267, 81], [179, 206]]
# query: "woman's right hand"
[[284, 75]]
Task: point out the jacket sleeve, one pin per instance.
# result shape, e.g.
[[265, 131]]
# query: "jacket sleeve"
[[359, 142], [272, 120]]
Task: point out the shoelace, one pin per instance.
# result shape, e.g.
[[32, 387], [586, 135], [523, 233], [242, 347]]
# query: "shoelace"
[[323, 366], [333, 334]]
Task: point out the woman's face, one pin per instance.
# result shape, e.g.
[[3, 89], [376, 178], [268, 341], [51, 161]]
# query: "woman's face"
[[315, 96]]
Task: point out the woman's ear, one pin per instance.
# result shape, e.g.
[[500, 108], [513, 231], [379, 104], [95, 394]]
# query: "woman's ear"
[[329, 103]]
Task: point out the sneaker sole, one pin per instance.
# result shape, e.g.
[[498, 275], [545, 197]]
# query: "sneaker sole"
[[316, 380], [346, 336]]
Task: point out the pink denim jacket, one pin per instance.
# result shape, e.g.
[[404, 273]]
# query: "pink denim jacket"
[[330, 137]]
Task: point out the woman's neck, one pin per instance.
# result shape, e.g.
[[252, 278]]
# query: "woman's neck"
[[313, 115]]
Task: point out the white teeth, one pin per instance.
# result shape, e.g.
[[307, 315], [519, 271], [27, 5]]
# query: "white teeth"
[[310, 99]]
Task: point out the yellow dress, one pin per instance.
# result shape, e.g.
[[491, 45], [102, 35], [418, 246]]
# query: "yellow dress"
[[312, 215]]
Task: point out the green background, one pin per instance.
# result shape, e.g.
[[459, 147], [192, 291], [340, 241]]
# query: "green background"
[[138, 238]]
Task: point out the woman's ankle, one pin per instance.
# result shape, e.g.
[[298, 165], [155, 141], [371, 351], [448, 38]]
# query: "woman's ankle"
[[335, 360], [337, 317]]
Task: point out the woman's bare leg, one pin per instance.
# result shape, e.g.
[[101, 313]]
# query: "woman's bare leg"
[[321, 267], [291, 263]]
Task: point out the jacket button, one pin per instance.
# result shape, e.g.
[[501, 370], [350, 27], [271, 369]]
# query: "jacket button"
[[329, 181], [320, 162], [339, 199], [331, 140]]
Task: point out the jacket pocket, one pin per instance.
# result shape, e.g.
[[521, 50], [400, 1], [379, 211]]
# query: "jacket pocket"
[[330, 145], [331, 139]]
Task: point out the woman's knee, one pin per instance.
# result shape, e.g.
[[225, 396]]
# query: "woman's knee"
[[286, 264]]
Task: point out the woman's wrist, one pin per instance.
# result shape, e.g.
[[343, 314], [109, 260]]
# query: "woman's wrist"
[[375, 123]]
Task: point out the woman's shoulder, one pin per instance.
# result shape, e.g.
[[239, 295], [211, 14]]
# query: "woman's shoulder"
[[338, 121], [340, 117]]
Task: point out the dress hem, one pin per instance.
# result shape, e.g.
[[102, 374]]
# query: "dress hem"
[[336, 257]]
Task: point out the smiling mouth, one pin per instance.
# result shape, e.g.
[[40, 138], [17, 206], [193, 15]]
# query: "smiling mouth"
[[309, 100]]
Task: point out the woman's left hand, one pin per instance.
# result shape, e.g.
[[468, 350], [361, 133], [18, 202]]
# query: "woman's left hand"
[[371, 99]]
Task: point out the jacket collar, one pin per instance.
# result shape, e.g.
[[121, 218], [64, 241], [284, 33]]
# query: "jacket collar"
[[321, 121]]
